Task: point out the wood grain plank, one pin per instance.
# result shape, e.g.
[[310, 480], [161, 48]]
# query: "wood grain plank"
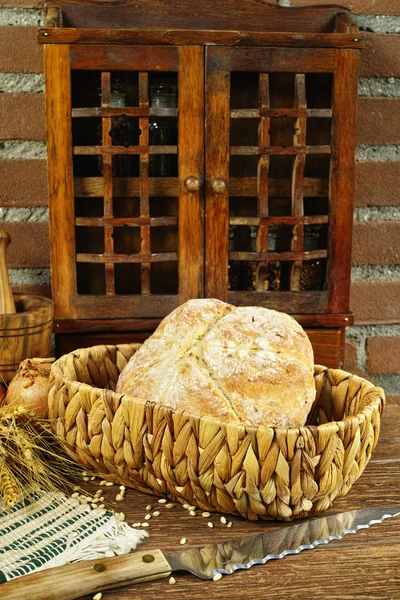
[[327, 346], [359, 566], [130, 111], [125, 58], [123, 326], [151, 14], [217, 167], [255, 150], [138, 324], [347, 572], [107, 181], [263, 111], [275, 220], [102, 150], [290, 302], [301, 60], [60, 178], [299, 163], [132, 221], [126, 186], [295, 255], [126, 258], [191, 164], [204, 37], [247, 186], [168, 186], [342, 179], [144, 181], [90, 307], [262, 177]]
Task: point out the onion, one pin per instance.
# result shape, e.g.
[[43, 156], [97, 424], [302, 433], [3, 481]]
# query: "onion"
[[30, 386]]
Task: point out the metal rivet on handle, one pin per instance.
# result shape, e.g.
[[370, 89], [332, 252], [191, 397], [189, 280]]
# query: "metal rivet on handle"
[[148, 558]]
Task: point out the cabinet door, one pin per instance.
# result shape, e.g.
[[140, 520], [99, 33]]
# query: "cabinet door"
[[126, 155], [280, 146]]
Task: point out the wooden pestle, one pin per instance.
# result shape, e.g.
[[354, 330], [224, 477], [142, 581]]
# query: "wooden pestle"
[[7, 305]]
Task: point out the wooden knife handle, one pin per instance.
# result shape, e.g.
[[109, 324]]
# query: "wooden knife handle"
[[88, 577], [7, 305]]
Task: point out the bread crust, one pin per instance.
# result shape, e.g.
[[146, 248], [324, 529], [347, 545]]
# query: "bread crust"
[[248, 365]]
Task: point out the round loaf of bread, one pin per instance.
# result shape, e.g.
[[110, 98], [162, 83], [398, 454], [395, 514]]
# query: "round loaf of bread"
[[248, 365]]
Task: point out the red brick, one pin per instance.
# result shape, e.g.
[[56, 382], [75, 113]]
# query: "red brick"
[[22, 3], [383, 355], [30, 245], [23, 183], [20, 51], [350, 362], [22, 117], [376, 243], [375, 302], [381, 55], [367, 7], [378, 122], [377, 184]]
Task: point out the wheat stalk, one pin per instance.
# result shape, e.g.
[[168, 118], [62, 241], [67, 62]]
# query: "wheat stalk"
[[31, 457]]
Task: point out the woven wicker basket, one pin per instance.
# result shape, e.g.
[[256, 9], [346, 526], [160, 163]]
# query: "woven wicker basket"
[[259, 473]]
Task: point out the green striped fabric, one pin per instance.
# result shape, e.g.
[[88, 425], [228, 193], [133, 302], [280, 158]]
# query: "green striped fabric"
[[48, 530]]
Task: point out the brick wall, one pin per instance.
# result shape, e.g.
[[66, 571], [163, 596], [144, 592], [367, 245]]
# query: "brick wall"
[[373, 344]]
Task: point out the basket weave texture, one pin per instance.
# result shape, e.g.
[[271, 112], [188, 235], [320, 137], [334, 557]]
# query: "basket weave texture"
[[257, 472]]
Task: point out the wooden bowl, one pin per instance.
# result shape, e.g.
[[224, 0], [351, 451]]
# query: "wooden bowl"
[[25, 334], [257, 472]]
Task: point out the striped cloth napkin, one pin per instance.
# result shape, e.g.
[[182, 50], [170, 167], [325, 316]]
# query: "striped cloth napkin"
[[50, 530]]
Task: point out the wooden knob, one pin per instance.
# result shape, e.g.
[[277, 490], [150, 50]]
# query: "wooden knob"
[[7, 305], [218, 186], [192, 184]]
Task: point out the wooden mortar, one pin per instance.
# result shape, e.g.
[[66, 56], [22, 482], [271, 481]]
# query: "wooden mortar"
[[26, 322]]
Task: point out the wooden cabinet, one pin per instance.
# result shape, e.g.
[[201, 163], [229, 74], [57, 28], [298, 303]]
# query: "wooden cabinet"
[[212, 159]]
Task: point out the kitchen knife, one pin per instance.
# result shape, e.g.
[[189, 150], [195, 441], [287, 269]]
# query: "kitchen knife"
[[89, 577]]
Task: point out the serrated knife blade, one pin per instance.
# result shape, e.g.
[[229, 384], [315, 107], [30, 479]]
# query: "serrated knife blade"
[[243, 553], [89, 577]]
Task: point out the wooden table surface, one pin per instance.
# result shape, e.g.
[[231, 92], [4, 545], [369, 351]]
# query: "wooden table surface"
[[365, 565]]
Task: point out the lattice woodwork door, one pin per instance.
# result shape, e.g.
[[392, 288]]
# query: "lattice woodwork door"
[[276, 209], [127, 221]]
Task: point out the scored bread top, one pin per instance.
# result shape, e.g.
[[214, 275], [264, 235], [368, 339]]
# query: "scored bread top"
[[250, 365]]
